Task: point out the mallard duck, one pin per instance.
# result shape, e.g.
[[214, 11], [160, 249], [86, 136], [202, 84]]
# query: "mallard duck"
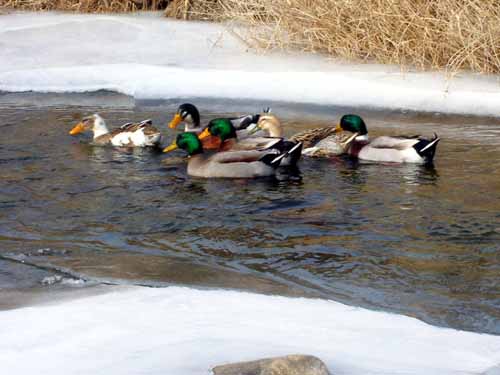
[[229, 164], [188, 114], [142, 134], [223, 130], [318, 142], [400, 149]]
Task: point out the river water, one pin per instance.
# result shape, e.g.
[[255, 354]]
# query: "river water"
[[421, 241]]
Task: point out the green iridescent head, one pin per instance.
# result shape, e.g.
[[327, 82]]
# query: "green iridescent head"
[[222, 128], [354, 124], [189, 141]]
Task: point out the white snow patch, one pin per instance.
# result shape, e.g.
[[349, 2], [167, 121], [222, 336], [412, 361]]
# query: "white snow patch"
[[148, 56], [185, 331]]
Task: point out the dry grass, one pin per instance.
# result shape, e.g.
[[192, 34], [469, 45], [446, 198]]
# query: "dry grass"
[[86, 6], [426, 34]]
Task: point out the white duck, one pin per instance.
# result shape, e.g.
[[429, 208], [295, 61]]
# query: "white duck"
[[142, 134]]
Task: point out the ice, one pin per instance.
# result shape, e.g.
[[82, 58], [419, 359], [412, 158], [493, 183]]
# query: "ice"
[[185, 331], [150, 57]]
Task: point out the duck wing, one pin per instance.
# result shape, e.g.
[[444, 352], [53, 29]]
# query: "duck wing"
[[312, 136], [257, 143], [244, 156], [244, 121], [136, 134], [397, 143]]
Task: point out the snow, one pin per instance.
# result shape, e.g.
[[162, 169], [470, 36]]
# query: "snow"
[[185, 331], [150, 57]]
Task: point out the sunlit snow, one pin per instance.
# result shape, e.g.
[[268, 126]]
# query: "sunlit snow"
[[185, 331]]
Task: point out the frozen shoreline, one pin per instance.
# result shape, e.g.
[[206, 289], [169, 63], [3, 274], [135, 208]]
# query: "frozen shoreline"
[[179, 330], [150, 57]]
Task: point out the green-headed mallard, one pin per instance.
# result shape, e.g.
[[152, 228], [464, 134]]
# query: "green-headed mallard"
[[224, 130], [318, 142], [399, 149], [229, 164], [142, 134]]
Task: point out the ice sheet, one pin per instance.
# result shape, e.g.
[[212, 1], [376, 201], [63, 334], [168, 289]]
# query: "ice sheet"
[[150, 57], [185, 331]]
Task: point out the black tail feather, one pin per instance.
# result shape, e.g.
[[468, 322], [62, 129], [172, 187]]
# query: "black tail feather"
[[426, 148]]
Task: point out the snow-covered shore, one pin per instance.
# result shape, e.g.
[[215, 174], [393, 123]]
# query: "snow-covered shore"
[[184, 331], [150, 57]]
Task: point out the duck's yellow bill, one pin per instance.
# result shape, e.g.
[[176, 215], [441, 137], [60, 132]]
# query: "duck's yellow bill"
[[172, 147], [204, 134], [338, 128], [175, 121], [77, 129]]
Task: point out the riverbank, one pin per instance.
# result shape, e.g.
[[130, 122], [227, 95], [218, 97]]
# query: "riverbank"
[[446, 35], [148, 57], [187, 331]]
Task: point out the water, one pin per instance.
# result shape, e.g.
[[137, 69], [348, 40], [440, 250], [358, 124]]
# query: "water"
[[422, 241]]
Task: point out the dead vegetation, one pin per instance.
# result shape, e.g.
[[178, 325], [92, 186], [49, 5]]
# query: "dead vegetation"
[[426, 34], [86, 6]]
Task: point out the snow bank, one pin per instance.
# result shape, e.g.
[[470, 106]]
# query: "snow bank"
[[150, 57], [185, 331]]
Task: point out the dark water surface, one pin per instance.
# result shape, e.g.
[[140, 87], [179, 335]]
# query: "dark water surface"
[[409, 239]]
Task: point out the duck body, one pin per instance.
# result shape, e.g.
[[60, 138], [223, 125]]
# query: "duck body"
[[142, 134], [230, 164], [401, 149], [395, 149]]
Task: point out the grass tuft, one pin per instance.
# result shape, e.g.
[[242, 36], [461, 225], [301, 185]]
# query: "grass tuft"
[[425, 34]]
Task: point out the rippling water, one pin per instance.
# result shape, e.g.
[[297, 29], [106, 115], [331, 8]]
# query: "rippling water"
[[416, 240]]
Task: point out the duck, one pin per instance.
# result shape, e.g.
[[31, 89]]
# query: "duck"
[[227, 164], [188, 114], [223, 130], [142, 134], [400, 149], [318, 142]]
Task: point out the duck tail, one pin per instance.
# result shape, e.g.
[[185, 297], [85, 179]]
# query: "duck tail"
[[285, 154], [426, 148], [273, 158], [294, 153]]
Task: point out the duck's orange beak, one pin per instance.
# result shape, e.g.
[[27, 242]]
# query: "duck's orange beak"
[[77, 129], [338, 128], [175, 121]]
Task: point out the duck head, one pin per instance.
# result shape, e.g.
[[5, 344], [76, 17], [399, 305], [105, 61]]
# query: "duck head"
[[188, 114], [220, 128], [269, 123], [353, 124], [94, 123], [187, 141]]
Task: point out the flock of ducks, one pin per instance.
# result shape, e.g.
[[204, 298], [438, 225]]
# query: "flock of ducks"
[[254, 145]]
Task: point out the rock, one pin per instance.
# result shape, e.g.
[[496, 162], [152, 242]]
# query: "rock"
[[289, 365]]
